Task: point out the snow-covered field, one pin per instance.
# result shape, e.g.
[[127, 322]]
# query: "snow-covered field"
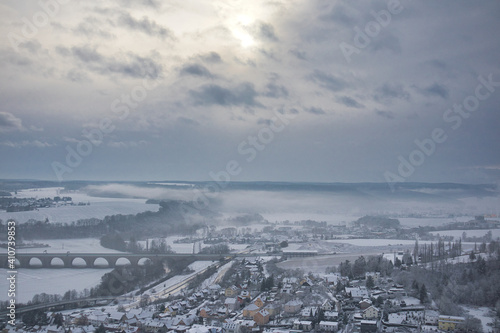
[[98, 208], [495, 233], [486, 315], [50, 281], [431, 221], [78, 245], [335, 219]]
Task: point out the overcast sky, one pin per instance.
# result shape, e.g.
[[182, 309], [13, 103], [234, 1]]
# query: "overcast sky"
[[176, 88]]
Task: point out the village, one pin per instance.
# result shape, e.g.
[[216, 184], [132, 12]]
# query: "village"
[[249, 297]]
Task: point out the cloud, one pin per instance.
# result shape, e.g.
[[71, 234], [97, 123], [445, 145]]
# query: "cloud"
[[144, 25], [275, 90], [266, 31], [26, 143], [327, 81], [132, 65], [299, 54], [388, 92], [211, 57], [195, 70], [386, 41], [126, 144], [9, 122], [385, 114], [187, 121], [340, 14], [213, 94], [437, 90], [350, 102], [316, 110]]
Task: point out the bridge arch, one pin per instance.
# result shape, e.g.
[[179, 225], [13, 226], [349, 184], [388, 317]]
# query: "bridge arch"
[[57, 262], [101, 262], [79, 262], [123, 261], [35, 262], [144, 261]]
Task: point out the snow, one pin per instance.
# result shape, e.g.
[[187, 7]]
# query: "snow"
[[78, 245], [51, 281], [470, 233], [98, 208], [484, 314]]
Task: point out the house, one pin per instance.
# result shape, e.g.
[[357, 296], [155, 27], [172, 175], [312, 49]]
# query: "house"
[[364, 304], [231, 291], [309, 312], [205, 313], [231, 304], [287, 289], [245, 294], [449, 323], [328, 326], [332, 279], [293, 306], [261, 317], [273, 309], [307, 282], [331, 315], [375, 275], [258, 302], [154, 325], [250, 310], [357, 293], [115, 317], [371, 313], [230, 327], [303, 325], [327, 306], [97, 318], [368, 326]]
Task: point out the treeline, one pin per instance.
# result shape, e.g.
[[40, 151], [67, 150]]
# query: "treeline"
[[472, 283], [362, 265], [173, 217], [216, 249], [116, 242]]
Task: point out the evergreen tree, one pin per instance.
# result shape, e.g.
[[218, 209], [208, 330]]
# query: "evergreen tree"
[[369, 282], [423, 294]]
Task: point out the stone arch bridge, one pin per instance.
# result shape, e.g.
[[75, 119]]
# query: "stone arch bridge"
[[98, 260]]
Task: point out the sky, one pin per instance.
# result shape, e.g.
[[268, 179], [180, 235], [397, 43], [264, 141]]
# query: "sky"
[[300, 90]]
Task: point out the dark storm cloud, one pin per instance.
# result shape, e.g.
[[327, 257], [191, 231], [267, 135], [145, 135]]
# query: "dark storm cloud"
[[390, 91], [350, 102], [327, 81], [437, 90], [211, 57], [144, 25], [213, 94], [315, 110], [9, 122], [134, 66], [195, 70]]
